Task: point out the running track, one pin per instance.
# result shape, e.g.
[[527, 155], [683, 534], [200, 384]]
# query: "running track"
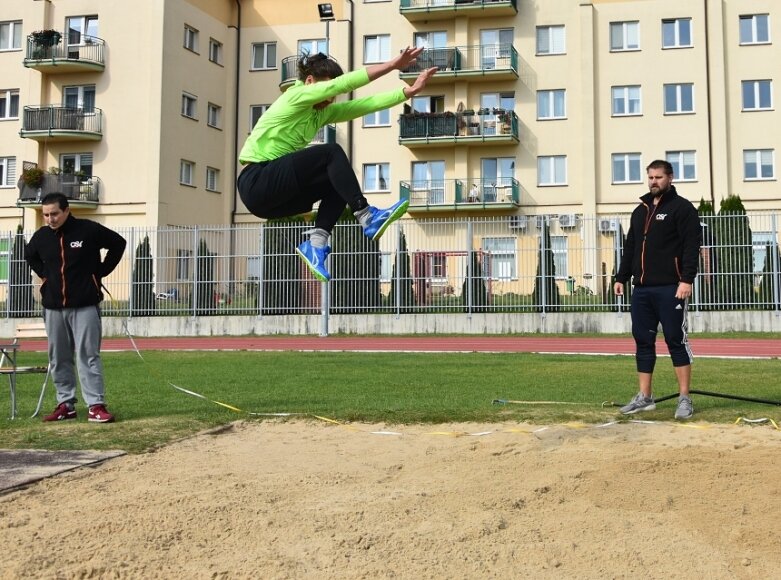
[[716, 347]]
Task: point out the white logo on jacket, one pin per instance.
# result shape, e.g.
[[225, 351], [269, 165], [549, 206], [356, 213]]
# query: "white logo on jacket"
[[661, 216], [77, 244]]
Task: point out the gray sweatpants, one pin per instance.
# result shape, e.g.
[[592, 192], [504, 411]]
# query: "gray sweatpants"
[[76, 331]]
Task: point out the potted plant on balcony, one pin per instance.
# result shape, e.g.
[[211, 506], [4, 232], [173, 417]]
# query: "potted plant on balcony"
[[33, 177], [47, 37]]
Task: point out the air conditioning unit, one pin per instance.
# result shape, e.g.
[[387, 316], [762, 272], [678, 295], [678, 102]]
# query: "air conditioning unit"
[[568, 220], [608, 224], [519, 222]]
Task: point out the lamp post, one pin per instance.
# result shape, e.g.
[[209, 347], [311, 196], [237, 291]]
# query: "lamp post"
[[326, 12]]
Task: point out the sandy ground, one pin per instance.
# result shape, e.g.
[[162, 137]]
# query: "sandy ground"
[[315, 500]]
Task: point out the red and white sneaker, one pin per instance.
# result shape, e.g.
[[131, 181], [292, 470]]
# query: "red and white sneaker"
[[62, 412], [99, 414]]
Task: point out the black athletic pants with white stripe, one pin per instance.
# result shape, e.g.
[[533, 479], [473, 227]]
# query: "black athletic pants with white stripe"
[[652, 305]]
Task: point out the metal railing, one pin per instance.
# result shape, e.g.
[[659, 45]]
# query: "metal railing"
[[518, 263], [90, 50], [483, 125], [74, 187], [466, 59], [56, 118], [471, 194]]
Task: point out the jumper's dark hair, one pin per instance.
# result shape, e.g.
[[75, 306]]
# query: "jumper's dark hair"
[[665, 166], [319, 66], [55, 197]]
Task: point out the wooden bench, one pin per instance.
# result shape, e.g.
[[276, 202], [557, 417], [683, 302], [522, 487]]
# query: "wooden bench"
[[9, 366]]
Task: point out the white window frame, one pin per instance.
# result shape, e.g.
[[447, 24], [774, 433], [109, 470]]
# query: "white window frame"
[[14, 39], [627, 27], [261, 109], [189, 106], [756, 94], [559, 246], [677, 24], [380, 181], [212, 179], [630, 162], [551, 40], [313, 46], [215, 51], [190, 38], [9, 97], [684, 164], [183, 261], [497, 250], [553, 165], [761, 158], [266, 64], [78, 162], [549, 113], [187, 173], [760, 241], [214, 116], [378, 53], [678, 99], [377, 119], [8, 165], [626, 95], [754, 31]]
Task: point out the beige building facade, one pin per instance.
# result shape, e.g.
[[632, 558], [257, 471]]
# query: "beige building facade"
[[538, 106]]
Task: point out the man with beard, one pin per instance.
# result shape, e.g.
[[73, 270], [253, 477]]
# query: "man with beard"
[[661, 256]]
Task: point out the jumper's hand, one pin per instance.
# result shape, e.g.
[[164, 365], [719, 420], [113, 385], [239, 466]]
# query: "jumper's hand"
[[420, 82], [406, 57]]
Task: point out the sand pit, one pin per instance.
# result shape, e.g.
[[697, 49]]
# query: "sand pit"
[[314, 500]]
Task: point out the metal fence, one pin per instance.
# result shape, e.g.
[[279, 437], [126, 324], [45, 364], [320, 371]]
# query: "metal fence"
[[552, 263]]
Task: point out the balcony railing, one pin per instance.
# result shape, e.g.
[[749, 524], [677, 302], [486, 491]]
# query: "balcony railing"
[[439, 9], [468, 127], [52, 122], [76, 188], [289, 71], [488, 61], [89, 54], [461, 194], [324, 135]]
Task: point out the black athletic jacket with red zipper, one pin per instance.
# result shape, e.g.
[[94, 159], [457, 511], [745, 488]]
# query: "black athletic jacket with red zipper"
[[68, 261], [663, 243]]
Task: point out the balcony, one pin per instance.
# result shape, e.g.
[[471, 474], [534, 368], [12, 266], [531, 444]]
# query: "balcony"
[[492, 62], [458, 195], [289, 70], [80, 191], [485, 127], [416, 10], [57, 123], [88, 55], [325, 135]]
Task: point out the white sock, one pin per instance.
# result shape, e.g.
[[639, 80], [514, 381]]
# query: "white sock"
[[318, 237], [363, 215]]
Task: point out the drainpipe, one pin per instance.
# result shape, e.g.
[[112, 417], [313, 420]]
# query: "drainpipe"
[[710, 110], [236, 113], [350, 64]]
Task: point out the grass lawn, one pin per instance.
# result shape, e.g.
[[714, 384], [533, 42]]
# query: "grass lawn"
[[392, 388]]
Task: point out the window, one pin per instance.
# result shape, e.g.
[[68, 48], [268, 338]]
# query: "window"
[[757, 95], [432, 39], [758, 164], [11, 35], [678, 98], [7, 171], [626, 168], [499, 261], [497, 178], [761, 242], [72, 163], [190, 38], [428, 104], [377, 119], [626, 101], [551, 40], [264, 55], [215, 51], [376, 48], [551, 104], [558, 246], [376, 177], [624, 36], [183, 258], [684, 164], [677, 33], [186, 172], [255, 113], [313, 46], [552, 170], [79, 97], [495, 48], [9, 104], [213, 115], [428, 182], [212, 179], [755, 29], [189, 106]]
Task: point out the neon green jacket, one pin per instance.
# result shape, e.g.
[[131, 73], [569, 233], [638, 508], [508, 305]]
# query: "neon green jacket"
[[291, 123]]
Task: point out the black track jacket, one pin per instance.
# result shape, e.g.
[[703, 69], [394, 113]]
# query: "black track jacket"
[[69, 263], [663, 243]]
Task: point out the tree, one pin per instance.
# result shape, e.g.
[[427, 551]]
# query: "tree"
[[143, 283], [734, 255], [546, 291], [402, 293], [205, 302], [706, 280], [282, 289], [770, 285], [355, 268], [20, 286], [473, 291]]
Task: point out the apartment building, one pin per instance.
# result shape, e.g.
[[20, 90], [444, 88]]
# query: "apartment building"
[[551, 107]]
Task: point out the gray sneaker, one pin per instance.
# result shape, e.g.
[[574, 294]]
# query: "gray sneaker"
[[685, 408], [639, 403]]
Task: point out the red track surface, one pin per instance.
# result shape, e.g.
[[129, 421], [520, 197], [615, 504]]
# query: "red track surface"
[[744, 348]]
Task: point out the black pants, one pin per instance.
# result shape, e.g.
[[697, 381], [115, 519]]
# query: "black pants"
[[652, 305], [292, 184]]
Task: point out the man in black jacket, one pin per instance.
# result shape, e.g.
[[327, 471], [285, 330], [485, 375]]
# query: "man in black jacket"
[[661, 255], [66, 256]]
